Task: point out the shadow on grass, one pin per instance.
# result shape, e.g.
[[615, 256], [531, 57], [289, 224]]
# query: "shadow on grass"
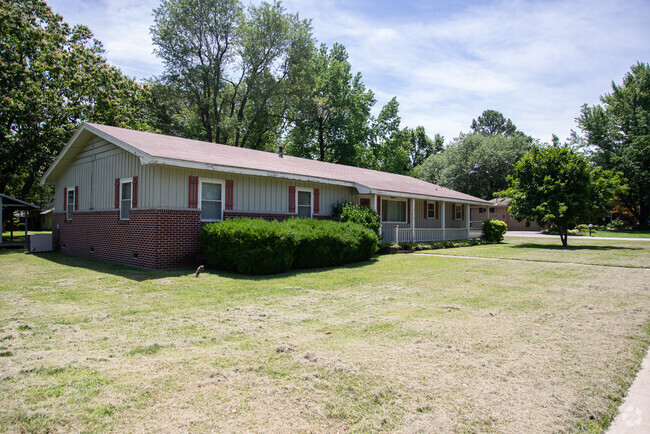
[[142, 274], [570, 247]]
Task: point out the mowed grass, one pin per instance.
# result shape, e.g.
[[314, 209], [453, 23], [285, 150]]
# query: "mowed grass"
[[401, 343], [618, 234], [620, 253]]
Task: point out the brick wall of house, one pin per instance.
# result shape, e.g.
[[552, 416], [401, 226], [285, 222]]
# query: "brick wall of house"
[[150, 239]]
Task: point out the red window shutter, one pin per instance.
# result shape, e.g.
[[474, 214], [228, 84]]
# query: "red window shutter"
[[292, 198], [437, 210], [76, 197], [426, 209], [117, 193], [65, 199], [194, 192], [408, 211], [379, 205], [134, 194], [316, 201], [229, 191]]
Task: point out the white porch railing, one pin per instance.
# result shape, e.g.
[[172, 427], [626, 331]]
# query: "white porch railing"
[[405, 234]]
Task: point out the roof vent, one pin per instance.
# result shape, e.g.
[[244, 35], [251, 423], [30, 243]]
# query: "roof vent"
[[281, 150]]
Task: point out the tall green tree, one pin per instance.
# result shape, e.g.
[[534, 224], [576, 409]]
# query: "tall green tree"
[[475, 164], [389, 149], [238, 70], [422, 146], [618, 132], [52, 76], [491, 123], [332, 122], [556, 185]]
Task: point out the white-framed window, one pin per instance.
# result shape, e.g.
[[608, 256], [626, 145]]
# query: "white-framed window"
[[393, 211], [431, 210], [69, 203], [305, 202], [364, 202], [126, 198], [458, 212], [211, 192]]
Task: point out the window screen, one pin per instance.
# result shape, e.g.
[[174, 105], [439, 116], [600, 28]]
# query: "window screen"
[[210, 201]]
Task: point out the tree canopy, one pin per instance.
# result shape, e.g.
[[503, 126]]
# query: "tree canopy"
[[618, 133], [491, 123], [236, 70], [52, 77], [479, 162], [557, 185]]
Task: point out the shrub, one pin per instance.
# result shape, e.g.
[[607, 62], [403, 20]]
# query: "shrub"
[[350, 212], [493, 230], [324, 243], [255, 246], [617, 225], [249, 246]]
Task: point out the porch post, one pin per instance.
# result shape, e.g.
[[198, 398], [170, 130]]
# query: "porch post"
[[467, 219], [373, 206], [397, 234], [412, 220], [443, 205], [26, 220], [488, 213]]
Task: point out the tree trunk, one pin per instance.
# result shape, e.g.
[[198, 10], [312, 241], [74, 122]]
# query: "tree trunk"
[[644, 214], [563, 236], [321, 140]]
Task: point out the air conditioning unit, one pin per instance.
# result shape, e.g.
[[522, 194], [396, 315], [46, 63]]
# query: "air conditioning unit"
[[39, 243]]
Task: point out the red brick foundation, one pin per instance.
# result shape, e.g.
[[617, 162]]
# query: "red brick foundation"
[[150, 239]]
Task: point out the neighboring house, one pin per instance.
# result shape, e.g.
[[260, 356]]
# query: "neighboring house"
[[140, 198], [499, 210]]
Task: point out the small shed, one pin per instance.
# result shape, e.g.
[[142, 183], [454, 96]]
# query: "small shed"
[[8, 202], [46, 219]]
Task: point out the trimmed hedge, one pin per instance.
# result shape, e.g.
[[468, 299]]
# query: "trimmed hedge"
[[324, 243], [493, 230], [249, 246], [256, 246]]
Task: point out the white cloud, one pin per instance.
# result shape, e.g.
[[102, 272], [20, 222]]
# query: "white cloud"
[[536, 62]]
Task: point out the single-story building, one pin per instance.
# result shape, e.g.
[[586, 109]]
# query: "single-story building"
[[140, 198], [498, 209]]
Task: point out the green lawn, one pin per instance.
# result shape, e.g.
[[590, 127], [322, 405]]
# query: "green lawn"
[[618, 234], [20, 236], [403, 342], [633, 254]]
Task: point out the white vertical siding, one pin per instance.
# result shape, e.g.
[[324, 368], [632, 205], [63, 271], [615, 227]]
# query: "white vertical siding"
[[94, 171]]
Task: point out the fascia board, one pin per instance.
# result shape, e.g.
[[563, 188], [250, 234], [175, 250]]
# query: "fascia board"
[[427, 197]]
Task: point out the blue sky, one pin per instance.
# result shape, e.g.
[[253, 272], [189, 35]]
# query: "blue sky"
[[446, 61]]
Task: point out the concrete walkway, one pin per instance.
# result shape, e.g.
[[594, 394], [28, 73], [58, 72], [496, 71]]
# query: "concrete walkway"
[[533, 234], [634, 414]]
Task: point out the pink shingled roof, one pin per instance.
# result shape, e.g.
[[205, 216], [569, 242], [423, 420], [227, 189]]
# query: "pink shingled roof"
[[186, 150]]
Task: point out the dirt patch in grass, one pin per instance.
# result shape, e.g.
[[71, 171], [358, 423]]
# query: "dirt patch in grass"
[[406, 343]]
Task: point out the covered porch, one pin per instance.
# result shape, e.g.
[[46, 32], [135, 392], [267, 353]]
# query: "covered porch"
[[416, 219], [11, 204]]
